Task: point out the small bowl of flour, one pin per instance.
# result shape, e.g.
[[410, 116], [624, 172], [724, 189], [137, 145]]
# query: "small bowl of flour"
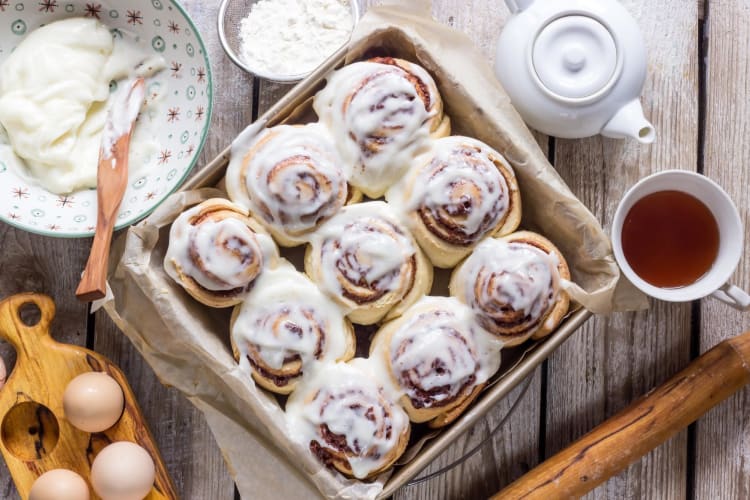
[[284, 40]]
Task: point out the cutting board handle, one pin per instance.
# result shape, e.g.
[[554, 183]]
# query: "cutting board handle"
[[24, 338], [638, 429]]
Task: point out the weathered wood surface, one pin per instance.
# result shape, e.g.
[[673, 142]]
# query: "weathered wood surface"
[[35, 263], [646, 424], [607, 364], [612, 361], [722, 455], [186, 442]]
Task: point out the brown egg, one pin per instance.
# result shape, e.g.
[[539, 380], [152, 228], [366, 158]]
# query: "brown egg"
[[123, 471], [93, 402], [59, 484]]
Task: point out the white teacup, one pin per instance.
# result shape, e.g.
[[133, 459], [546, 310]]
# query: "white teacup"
[[731, 236]]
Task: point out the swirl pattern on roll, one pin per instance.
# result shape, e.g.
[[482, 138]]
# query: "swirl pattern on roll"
[[347, 420], [438, 357], [462, 191], [290, 177], [514, 285], [216, 251], [367, 261], [284, 325], [382, 113]]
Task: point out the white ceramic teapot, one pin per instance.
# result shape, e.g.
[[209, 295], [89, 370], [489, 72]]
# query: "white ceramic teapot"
[[575, 68]]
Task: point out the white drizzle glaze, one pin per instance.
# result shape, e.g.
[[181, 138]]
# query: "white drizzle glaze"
[[386, 106], [374, 255], [229, 272], [286, 292], [522, 274], [237, 151], [357, 408], [123, 110], [439, 343], [294, 201], [241, 144], [444, 169]]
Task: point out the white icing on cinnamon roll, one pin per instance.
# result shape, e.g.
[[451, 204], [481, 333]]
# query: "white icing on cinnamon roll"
[[284, 325], [513, 285], [461, 191], [290, 177], [216, 252], [438, 352], [347, 420], [382, 113], [437, 356], [367, 260]]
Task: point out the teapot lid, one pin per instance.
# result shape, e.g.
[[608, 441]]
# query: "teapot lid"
[[575, 57]]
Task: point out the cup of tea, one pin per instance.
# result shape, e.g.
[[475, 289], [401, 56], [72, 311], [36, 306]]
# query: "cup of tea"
[[678, 237]]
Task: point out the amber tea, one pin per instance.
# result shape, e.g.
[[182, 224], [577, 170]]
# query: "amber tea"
[[670, 239]]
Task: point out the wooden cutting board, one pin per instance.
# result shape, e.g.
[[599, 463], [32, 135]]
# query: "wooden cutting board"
[[35, 435]]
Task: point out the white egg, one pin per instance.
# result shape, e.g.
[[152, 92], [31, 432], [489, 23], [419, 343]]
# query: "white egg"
[[93, 402], [123, 471], [59, 484]]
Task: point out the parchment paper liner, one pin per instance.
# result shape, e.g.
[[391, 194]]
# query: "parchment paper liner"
[[187, 344]]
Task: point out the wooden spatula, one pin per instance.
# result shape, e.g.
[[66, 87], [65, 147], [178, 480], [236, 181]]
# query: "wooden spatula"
[[111, 181]]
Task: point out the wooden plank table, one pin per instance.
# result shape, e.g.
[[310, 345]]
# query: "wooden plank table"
[[696, 96]]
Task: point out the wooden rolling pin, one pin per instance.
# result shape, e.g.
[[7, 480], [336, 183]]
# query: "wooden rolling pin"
[[641, 427]]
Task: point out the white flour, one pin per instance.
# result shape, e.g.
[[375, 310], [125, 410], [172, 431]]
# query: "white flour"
[[292, 37]]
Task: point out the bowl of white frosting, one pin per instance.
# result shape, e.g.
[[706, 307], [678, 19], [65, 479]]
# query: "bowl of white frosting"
[[60, 64], [284, 40]]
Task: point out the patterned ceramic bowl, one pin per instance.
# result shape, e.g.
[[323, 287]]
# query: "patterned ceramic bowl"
[[161, 26]]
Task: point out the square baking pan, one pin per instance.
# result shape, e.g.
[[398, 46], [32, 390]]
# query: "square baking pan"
[[518, 363]]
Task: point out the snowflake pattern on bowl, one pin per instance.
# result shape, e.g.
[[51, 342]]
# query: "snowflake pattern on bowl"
[[161, 26]]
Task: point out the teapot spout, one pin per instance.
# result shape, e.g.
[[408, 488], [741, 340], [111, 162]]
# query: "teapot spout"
[[630, 122], [516, 6]]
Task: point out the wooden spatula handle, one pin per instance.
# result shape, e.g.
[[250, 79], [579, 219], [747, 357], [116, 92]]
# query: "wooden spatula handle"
[[93, 285], [638, 429], [111, 183]]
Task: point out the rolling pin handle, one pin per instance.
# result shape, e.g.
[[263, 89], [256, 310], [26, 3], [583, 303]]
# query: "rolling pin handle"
[[636, 430]]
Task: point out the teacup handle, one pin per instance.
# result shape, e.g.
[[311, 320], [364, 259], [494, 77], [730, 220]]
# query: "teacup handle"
[[734, 296]]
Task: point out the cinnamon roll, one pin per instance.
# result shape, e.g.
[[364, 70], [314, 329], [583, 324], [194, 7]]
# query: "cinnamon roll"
[[382, 113], [513, 284], [461, 191], [437, 357], [216, 251], [368, 262], [291, 178], [284, 325], [346, 419]]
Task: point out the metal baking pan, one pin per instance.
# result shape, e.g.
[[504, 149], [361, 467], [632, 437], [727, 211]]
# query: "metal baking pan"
[[523, 360]]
